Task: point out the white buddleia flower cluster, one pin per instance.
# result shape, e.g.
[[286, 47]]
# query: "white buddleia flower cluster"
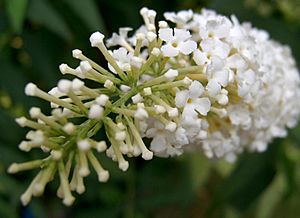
[[210, 83]]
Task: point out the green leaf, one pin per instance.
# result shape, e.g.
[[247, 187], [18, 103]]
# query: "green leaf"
[[87, 11], [270, 198], [41, 12], [16, 11], [252, 175], [7, 210], [199, 169]]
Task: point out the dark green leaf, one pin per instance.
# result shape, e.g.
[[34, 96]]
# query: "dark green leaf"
[[41, 12], [16, 11], [87, 11], [253, 173]]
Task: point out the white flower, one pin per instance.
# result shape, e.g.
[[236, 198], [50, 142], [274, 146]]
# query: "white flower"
[[191, 101], [215, 47], [180, 18], [178, 43], [237, 91], [200, 57], [122, 57], [163, 141], [119, 39], [219, 27], [239, 115]]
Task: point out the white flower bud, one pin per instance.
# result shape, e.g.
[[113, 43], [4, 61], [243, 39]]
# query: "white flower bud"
[[147, 155], [163, 24], [120, 135], [96, 38], [147, 91], [121, 126], [101, 146], [144, 11], [63, 68], [76, 53], [125, 88], [96, 112], [136, 62], [141, 114], [171, 126], [13, 168], [77, 84], [84, 145], [30, 89], [85, 66], [35, 112], [69, 128], [56, 154], [137, 98], [24, 146], [173, 112], [102, 99], [140, 36], [151, 36], [171, 74], [123, 165], [64, 85], [108, 84], [21, 121], [151, 27], [155, 52], [103, 176]]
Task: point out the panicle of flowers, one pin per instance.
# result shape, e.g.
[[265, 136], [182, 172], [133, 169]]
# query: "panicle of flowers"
[[209, 83]]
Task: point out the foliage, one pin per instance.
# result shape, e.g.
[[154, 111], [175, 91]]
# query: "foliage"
[[37, 35]]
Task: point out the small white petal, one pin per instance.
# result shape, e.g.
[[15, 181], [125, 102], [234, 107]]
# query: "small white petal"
[[203, 105], [181, 34], [171, 74], [187, 47], [169, 51], [213, 88], [199, 57], [196, 89], [166, 34], [181, 98]]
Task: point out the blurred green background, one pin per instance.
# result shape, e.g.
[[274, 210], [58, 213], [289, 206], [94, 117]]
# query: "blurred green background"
[[37, 35]]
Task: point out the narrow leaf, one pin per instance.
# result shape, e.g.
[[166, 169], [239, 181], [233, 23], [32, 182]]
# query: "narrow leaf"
[[16, 12]]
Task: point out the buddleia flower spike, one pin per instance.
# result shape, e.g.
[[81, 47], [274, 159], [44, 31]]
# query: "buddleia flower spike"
[[210, 83]]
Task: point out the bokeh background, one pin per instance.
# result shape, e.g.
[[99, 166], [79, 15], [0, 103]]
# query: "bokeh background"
[[37, 35]]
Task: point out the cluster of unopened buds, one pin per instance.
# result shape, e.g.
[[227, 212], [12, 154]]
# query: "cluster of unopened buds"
[[209, 84]]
